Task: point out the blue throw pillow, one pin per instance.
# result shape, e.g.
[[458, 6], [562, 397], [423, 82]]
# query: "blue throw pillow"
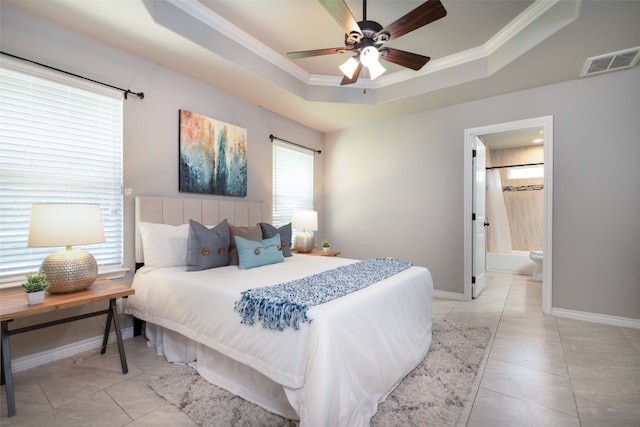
[[269, 230], [208, 247], [255, 254]]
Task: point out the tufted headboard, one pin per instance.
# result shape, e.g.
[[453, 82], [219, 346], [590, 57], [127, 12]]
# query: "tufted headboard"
[[176, 211]]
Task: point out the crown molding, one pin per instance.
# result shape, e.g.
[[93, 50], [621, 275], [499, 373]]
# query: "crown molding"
[[539, 21], [208, 17]]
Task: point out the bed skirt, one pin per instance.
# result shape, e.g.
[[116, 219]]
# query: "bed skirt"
[[222, 371]]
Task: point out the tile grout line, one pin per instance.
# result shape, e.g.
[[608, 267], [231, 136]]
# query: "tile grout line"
[[487, 356], [566, 362]]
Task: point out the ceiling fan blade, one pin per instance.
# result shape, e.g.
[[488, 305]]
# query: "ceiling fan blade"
[[406, 59], [316, 52], [347, 81], [427, 12], [339, 10]]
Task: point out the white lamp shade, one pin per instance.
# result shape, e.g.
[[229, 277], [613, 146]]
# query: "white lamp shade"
[[65, 224], [349, 67], [305, 220], [370, 59], [369, 55], [376, 70]]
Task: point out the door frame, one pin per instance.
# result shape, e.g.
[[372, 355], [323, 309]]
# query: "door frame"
[[547, 125]]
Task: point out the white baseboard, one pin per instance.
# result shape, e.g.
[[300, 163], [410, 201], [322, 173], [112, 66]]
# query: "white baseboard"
[[31, 361], [448, 295], [605, 319]]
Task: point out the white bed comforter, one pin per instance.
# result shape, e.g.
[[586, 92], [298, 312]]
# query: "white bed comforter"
[[335, 370]]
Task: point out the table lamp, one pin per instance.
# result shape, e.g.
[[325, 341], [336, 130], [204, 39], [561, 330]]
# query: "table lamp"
[[305, 221], [67, 224]]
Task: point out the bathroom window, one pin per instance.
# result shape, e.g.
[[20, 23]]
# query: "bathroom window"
[[525, 172]]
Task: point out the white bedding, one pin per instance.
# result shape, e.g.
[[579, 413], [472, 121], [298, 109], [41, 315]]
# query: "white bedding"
[[333, 371]]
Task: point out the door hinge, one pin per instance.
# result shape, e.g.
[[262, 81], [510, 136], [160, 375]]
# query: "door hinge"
[[473, 216], [473, 153], [473, 280]]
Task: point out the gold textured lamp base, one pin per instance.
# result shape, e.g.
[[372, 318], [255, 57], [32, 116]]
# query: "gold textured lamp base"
[[70, 270]]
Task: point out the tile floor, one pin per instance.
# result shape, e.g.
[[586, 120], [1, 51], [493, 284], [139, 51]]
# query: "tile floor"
[[540, 371]]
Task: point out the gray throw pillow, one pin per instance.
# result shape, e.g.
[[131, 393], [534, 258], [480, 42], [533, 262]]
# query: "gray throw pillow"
[[250, 232], [208, 247], [269, 231]]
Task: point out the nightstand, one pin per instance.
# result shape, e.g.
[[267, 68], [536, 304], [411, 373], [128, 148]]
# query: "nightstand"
[[319, 252], [14, 306]]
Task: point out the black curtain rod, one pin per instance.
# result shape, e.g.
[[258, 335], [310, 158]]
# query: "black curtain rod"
[[271, 137], [125, 91], [515, 166]]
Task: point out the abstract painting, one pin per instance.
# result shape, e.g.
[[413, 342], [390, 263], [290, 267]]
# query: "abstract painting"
[[213, 156]]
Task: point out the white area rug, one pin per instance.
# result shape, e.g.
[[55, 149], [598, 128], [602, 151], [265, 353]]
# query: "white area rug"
[[434, 393]]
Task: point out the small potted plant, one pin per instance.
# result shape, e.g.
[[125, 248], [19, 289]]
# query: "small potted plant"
[[35, 286], [326, 246]]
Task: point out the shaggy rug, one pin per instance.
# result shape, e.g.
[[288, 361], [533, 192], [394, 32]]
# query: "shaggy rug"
[[434, 393]]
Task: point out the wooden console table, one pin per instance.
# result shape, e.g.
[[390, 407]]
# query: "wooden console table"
[[14, 305], [319, 252]]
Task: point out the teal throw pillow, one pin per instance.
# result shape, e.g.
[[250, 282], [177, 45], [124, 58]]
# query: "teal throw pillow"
[[208, 247], [255, 254]]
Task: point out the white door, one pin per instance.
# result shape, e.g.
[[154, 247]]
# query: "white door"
[[479, 256]]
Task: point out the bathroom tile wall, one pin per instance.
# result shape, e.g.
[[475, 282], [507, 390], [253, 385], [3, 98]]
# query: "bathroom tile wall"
[[525, 209]]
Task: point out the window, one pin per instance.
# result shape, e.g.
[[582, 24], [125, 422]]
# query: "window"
[[60, 142], [525, 172], [292, 181]]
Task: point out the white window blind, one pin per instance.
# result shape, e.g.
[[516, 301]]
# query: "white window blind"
[[60, 142], [292, 181]]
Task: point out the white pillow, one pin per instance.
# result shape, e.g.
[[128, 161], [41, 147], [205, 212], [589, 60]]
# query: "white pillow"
[[164, 245]]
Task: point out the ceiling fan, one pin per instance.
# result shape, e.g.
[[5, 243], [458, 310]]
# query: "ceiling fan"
[[367, 38]]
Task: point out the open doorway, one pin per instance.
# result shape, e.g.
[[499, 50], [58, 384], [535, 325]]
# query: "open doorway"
[[475, 223]]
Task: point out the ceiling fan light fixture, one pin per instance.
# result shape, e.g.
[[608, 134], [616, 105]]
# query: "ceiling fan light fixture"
[[367, 36], [349, 67], [376, 70], [369, 58]]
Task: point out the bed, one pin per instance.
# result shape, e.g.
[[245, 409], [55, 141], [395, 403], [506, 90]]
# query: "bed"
[[332, 371]]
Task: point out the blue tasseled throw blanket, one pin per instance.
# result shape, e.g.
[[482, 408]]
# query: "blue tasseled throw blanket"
[[285, 305]]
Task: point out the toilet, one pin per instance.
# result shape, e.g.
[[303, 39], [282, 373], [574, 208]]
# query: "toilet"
[[537, 256]]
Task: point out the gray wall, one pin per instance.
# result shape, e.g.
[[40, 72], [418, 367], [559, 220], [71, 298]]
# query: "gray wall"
[[150, 134], [396, 188]]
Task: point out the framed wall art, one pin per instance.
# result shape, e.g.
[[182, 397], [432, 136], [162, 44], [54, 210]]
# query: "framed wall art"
[[213, 156]]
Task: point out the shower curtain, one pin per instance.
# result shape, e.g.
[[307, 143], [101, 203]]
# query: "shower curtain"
[[498, 234]]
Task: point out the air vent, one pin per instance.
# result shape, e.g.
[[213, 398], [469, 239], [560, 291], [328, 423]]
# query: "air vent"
[[611, 62]]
